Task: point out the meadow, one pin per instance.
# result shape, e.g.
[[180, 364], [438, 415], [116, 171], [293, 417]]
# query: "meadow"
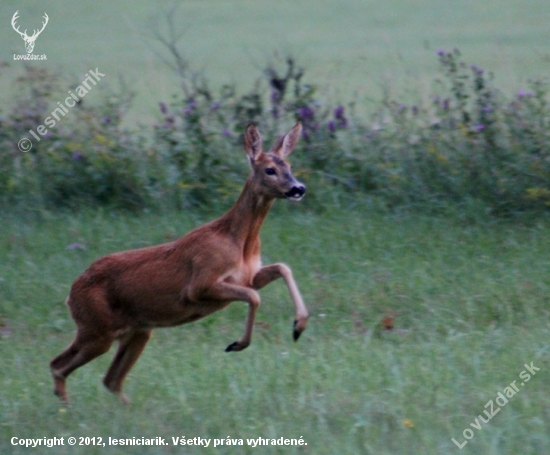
[[468, 303], [421, 247]]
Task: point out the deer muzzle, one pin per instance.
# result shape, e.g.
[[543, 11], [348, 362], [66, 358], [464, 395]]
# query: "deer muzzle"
[[296, 192]]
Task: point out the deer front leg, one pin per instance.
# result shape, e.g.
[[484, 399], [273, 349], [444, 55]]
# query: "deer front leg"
[[270, 273], [230, 292]]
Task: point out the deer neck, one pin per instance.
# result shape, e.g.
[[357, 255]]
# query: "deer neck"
[[244, 220]]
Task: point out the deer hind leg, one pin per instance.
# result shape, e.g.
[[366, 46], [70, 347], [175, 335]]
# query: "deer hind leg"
[[129, 349], [226, 292], [244, 342], [81, 351], [272, 272]]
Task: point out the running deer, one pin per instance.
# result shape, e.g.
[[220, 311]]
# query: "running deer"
[[124, 296]]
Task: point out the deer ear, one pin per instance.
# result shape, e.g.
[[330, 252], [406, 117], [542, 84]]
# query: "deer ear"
[[252, 142], [284, 146]]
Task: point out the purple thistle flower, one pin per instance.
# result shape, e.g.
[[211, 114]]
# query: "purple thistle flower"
[[339, 115], [215, 106], [440, 52], [163, 108], [339, 112], [226, 133], [480, 127], [192, 105], [306, 112], [331, 125], [477, 69], [107, 119], [77, 156], [446, 104], [414, 109]]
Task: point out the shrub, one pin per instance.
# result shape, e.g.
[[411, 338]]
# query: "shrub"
[[470, 144], [87, 158]]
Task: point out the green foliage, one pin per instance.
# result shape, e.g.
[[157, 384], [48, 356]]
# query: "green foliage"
[[469, 146], [473, 144], [86, 159]]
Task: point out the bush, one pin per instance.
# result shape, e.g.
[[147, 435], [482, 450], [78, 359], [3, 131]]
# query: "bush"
[[469, 145], [87, 159], [472, 144]]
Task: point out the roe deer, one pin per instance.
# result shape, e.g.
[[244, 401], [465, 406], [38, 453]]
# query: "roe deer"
[[123, 296]]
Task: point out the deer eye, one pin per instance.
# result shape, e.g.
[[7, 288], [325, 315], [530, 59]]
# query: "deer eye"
[[270, 171]]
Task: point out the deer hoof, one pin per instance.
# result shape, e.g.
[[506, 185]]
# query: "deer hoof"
[[232, 347], [236, 346], [297, 330]]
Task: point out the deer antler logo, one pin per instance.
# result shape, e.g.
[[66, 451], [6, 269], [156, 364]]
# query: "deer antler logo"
[[29, 40]]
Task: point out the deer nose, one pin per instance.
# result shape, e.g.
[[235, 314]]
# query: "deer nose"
[[296, 192]]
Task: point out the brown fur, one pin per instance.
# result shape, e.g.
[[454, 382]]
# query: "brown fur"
[[123, 296]]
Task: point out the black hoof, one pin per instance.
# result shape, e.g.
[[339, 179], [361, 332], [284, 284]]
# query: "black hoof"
[[231, 346], [296, 334]]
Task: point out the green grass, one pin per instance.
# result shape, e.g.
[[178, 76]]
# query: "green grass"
[[470, 305], [350, 48]]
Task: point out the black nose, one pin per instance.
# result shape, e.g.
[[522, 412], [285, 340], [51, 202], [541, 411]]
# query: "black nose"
[[296, 192]]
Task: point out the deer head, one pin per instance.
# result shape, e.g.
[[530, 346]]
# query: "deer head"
[[29, 40], [270, 172]]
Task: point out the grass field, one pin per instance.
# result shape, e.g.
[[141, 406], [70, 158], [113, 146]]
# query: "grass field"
[[470, 309], [351, 48]]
